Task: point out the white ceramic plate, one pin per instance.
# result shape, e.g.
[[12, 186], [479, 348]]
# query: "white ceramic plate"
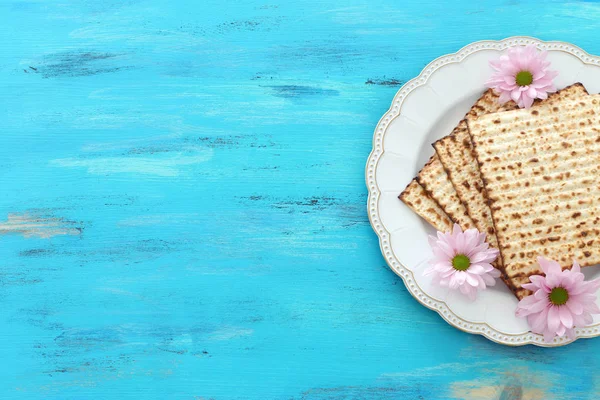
[[425, 109]]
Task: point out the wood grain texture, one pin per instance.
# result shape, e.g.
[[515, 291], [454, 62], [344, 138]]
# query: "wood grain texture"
[[183, 203]]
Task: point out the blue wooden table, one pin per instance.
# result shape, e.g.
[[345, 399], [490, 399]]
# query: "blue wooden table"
[[183, 207]]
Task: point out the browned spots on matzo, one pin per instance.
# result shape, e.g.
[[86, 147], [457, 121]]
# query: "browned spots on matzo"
[[415, 197], [552, 201], [434, 179]]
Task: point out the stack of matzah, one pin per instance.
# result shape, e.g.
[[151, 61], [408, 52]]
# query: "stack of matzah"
[[536, 167]]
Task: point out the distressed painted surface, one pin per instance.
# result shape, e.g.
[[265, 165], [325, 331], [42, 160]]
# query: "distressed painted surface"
[[182, 212]]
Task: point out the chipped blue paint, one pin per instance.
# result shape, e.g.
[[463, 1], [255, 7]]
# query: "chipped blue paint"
[[183, 204]]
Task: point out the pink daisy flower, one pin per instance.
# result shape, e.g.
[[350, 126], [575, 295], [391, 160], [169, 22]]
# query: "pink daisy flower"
[[462, 260], [561, 300], [522, 75]]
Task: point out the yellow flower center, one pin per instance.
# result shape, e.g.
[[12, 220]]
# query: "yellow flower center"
[[524, 78], [461, 262], [558, 296]]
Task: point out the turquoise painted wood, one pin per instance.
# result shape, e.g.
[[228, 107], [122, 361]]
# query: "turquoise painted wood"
[[182, 203]]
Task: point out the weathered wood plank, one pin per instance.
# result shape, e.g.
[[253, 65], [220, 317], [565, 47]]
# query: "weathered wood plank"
[[183, 203]]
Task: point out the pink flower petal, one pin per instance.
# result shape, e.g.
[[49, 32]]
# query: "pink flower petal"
[[542, 293], [531, 305], [552, 267], [539, 322], [480, 282], [585, 288], [565, 316], [527, 302], [552, 280], [476, 269], [509, 79], [539, 281], [452, 283], [575, 306], [471, 280], [443, 250], [471, 240], [549, 335], [441, 270], [515, 95], [456, 230], [579, 320], [483, 256], [539, 74], [507, 87], [592, 308], [586, 298], [470, 291], [553, 318], [496, 64], [472, 294], [593, 286], [504, 97], [461, 277], [550, 75], [530, 286], [527, 101], [489, 280]]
